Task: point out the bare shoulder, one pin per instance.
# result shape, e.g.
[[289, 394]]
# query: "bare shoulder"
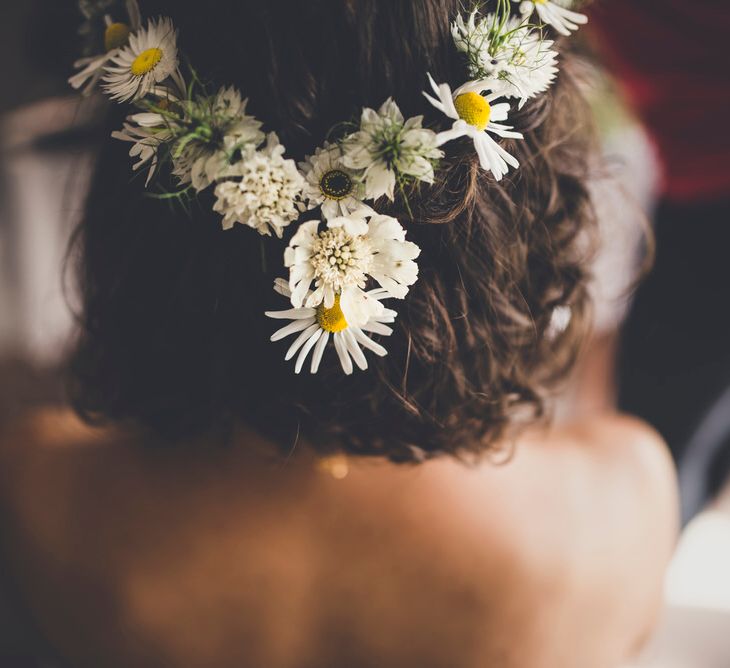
[[630, 462], [626, 440], [621, 506], [617, 480], [566, 493], [576, 530]]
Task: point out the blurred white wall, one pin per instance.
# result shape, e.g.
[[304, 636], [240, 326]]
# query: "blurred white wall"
[[624, 200], [42, 195]]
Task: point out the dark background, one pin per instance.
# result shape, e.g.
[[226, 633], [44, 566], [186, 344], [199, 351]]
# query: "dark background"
[[38, 43]]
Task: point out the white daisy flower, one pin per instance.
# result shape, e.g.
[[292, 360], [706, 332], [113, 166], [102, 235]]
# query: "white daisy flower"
[[331, 185], [388, 148], [510, 56], [223, 131], [116, 35], [261, 189], [315, 325], [340, 258], [475, 117], [149, 59], [560, 17]]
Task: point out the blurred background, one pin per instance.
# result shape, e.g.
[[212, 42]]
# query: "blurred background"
[[46, 149], [658, 78]]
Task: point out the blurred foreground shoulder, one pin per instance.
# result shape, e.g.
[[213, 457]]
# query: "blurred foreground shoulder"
[[635, 450], [47, 426], [38, 440], [632, 467], [636, 514]]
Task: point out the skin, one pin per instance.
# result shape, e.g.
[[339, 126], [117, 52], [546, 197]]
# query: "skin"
[[127, 556]]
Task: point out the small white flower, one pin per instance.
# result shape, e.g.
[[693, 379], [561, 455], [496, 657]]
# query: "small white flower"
[[228, 130], [116, 35], [261, 189], [388, 148], [559, 321], [148, 59], [315, 325], [508, 55], [332, 185], [340, 258], [563, 19], [148, 131], [474, 116], [145, 144]]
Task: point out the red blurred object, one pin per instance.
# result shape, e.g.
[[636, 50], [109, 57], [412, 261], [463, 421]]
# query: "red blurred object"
[[672, 57]]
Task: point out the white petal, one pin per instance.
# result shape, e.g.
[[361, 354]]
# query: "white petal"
[[299, 293], [379, 181], [305, 350], [315, 298], [368, 343], [292, 313], [449, 135], [282, 287], [306, 335], [377, 328], [358, 307], [329, 296], [291, 328], [345, 360], [319, 351], [354, 349]]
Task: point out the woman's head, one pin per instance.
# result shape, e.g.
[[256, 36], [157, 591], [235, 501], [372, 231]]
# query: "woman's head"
[[173, 334]]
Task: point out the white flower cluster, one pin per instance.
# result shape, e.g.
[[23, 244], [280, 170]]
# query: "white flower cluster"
[[260, 190], [514, 59], [335, 259], [388, 149], [202, 160], [507, 58]]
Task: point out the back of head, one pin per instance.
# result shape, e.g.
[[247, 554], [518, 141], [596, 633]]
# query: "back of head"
[[173, 335]]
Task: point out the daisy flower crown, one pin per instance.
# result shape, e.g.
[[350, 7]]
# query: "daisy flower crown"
[[347, 259]]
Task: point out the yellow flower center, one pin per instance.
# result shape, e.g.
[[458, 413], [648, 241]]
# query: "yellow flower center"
[[474, 109], [115, 35], [146, 61], [332, 319]]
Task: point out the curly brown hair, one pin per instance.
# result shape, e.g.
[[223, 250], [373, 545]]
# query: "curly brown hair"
[[173, 338]]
